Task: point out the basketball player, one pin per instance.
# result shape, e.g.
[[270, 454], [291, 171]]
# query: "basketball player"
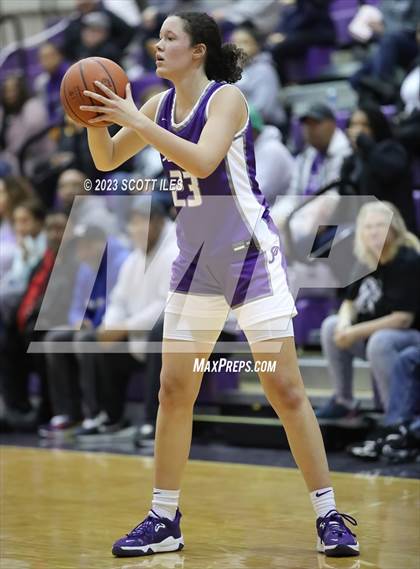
[[202, 130]]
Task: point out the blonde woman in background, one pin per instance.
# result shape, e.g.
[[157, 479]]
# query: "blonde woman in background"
[[381, 313]]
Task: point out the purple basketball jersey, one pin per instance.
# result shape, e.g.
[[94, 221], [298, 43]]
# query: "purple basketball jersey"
[[224, 216]]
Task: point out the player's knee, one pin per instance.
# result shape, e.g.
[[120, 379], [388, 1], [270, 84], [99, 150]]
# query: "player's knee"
[[286, 393], [173, 392]]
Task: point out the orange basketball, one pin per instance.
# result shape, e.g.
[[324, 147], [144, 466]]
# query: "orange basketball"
[[81, 76]]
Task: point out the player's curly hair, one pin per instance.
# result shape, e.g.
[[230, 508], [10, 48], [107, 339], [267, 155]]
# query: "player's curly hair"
[[224, 62]]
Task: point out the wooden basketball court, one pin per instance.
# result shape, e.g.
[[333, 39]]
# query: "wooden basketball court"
[[64, 509]]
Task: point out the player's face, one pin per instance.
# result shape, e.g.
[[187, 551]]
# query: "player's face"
[[174, 53], [376, 232]]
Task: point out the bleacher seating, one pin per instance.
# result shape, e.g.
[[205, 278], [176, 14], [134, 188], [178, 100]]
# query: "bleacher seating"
[[310, 66], [307, 72], [342, 13]]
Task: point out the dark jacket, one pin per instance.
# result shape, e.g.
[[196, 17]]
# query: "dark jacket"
[[120, 35], [382, 170], [309, 16]]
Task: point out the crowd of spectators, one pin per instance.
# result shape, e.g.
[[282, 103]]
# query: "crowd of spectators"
[[110, 271]]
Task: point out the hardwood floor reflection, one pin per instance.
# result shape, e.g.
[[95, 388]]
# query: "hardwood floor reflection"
[[63, 510]]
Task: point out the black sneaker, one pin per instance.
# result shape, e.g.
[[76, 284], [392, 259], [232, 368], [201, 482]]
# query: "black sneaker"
[[367, 450], [371, 449], [401, 447], [107, 432]]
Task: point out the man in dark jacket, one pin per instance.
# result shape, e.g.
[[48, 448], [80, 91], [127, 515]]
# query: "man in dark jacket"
[[119, 32], [308, 23]]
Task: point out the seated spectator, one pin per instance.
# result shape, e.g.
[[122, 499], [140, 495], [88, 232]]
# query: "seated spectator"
[[259, 82], [21, 117], [48, 83], [317, 166], [72, 197], [119, 32], [377, 80], [398, 436], [408, 130], [304, 24], [379, 166], [381, 314], [95, 39], [13, 191], [263, 14], [133, 316], [69, 383], [28, 222], [16, 363], [72, 152], [404, 396], [273, 161]]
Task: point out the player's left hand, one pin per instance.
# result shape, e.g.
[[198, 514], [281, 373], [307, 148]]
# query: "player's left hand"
[[114, 109]]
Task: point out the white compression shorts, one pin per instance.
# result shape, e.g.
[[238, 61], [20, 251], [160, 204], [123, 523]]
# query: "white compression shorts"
[[201, 318]]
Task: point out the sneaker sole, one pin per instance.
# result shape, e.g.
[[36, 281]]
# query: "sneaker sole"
[[167, 545], [337, 550]]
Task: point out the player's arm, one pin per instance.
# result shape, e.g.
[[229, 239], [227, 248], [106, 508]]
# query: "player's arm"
[[227, 115], [110, 152], [398, 320]]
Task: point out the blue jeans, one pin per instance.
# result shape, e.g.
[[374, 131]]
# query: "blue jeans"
[[382, 350], [395, 49], [404, 399]]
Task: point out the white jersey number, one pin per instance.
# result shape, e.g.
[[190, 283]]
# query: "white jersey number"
[[192, 201]]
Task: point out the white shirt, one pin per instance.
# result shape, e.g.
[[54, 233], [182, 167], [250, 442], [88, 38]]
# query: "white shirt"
[[410, 90], [274, 164], [329, 171], [139, 296]]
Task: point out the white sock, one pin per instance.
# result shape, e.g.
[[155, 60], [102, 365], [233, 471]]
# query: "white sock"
[[323, 501], [165, 503]]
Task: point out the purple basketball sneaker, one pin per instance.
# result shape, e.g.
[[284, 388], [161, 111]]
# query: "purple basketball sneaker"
[[152, 535], [334, 538]]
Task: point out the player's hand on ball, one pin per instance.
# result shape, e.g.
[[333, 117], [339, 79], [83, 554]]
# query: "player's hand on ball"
[[113, 109]]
